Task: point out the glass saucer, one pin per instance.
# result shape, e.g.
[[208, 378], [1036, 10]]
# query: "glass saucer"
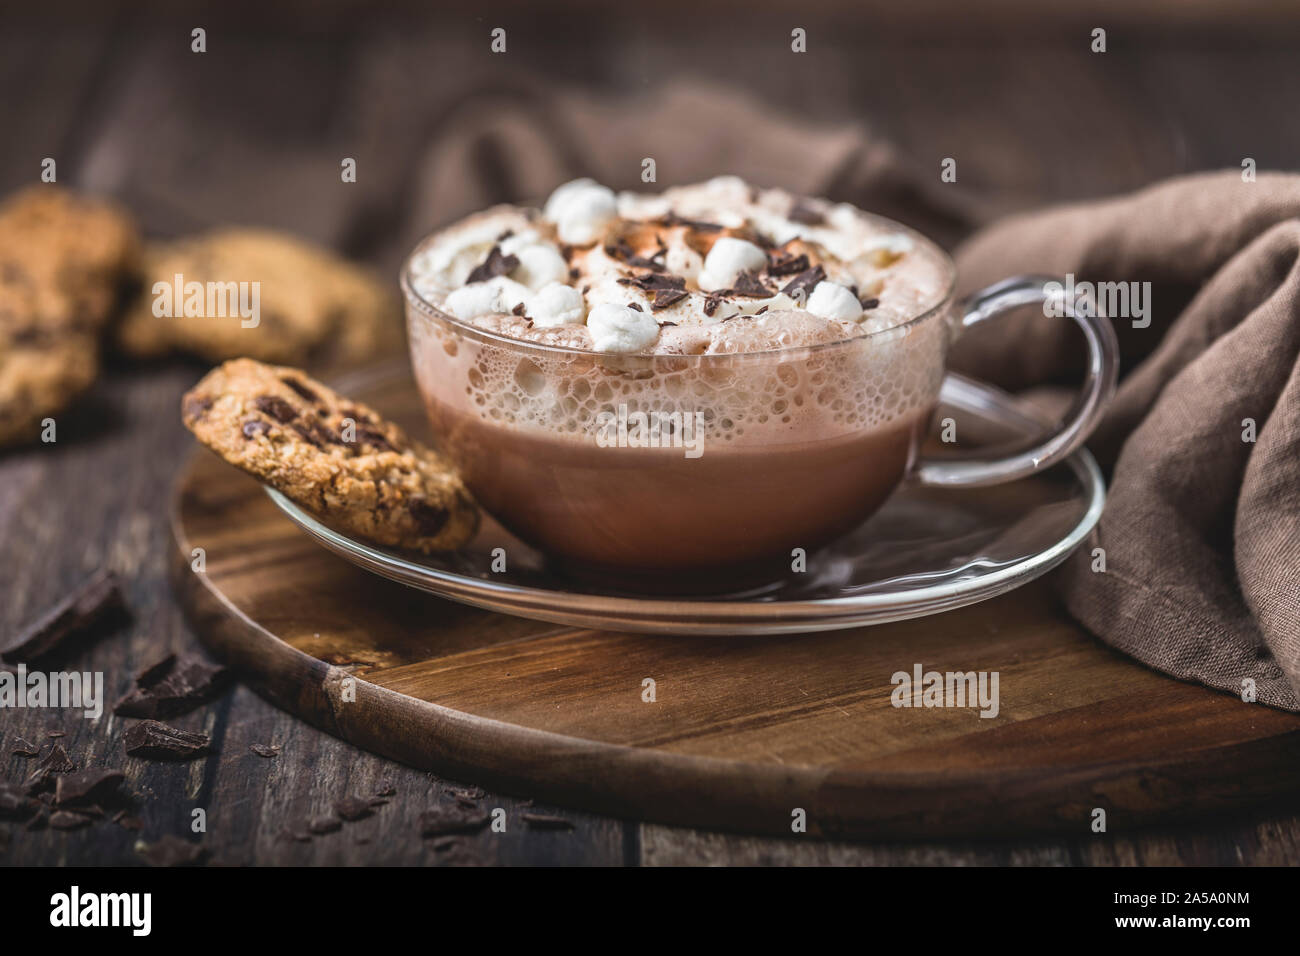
[[925, 551]]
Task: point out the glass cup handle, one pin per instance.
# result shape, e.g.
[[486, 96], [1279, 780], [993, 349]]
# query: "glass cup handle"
[[1098, 387]]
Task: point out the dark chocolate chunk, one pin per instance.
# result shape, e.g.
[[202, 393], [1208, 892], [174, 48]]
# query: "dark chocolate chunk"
[[711, 303], [155, 740], [54, 762], [494, 265], [666, 297], [353, 809], [869, 304], [451, 818], [170, 850], [86, 786], [24, 749], [265, 750], [322, 825], [67, 820], [636, 306], [174, 686], [276, 407], [254, 427], [94, 607], [429, 519], [519, 309], [300, 388], [545, 821]]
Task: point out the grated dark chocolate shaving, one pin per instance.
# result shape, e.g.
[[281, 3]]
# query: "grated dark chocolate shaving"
[[804, 283], [785, 264], [494, 265], [666, 297]]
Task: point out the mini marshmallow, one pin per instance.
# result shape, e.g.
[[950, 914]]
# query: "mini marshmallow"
[[556, 304], [830, 300], [498, 294], [728, 258], [616, 328], [682, 260], [539, 264], [580, 210]]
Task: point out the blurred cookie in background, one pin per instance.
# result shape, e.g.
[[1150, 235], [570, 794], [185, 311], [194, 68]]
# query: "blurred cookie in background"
[[262, 294], [84, 251], [65, 261]]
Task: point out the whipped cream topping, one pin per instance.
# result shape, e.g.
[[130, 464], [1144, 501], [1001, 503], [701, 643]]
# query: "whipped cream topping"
[[715, 267]]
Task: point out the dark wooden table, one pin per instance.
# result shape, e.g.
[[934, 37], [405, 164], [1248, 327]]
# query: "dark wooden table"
[[253, 132]]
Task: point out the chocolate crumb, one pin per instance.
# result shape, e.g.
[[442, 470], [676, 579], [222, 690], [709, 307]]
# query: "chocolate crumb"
[[869, 304], [86, 786], [155, 740], [451, 818], [385, 788], [352, 809], [634, 305], [323, 825], [265, 750]]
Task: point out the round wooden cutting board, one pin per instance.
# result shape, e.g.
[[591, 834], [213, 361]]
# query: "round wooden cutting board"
[[743, 733]]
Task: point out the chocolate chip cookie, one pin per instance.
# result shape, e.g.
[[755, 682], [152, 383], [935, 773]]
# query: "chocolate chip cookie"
[[84, 251], [260, 294], [335, 457], [64, 261]]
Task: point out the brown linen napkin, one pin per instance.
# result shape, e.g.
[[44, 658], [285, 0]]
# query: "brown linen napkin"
[[1201, 531]]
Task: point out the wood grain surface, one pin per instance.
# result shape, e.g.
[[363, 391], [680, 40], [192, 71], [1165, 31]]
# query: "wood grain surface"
[[742, 731], [253, 134]]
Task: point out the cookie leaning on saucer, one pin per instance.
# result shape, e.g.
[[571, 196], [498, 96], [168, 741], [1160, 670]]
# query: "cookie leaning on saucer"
[[335, 457]]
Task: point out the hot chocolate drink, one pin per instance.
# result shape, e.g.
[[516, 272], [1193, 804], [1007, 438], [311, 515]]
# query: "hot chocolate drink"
[[704, 382]]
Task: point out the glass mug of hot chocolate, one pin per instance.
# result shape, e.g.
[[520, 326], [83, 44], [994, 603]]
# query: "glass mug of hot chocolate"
[[679, 390]]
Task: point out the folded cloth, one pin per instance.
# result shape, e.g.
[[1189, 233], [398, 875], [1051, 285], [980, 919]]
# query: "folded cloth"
[[1201, 532]]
